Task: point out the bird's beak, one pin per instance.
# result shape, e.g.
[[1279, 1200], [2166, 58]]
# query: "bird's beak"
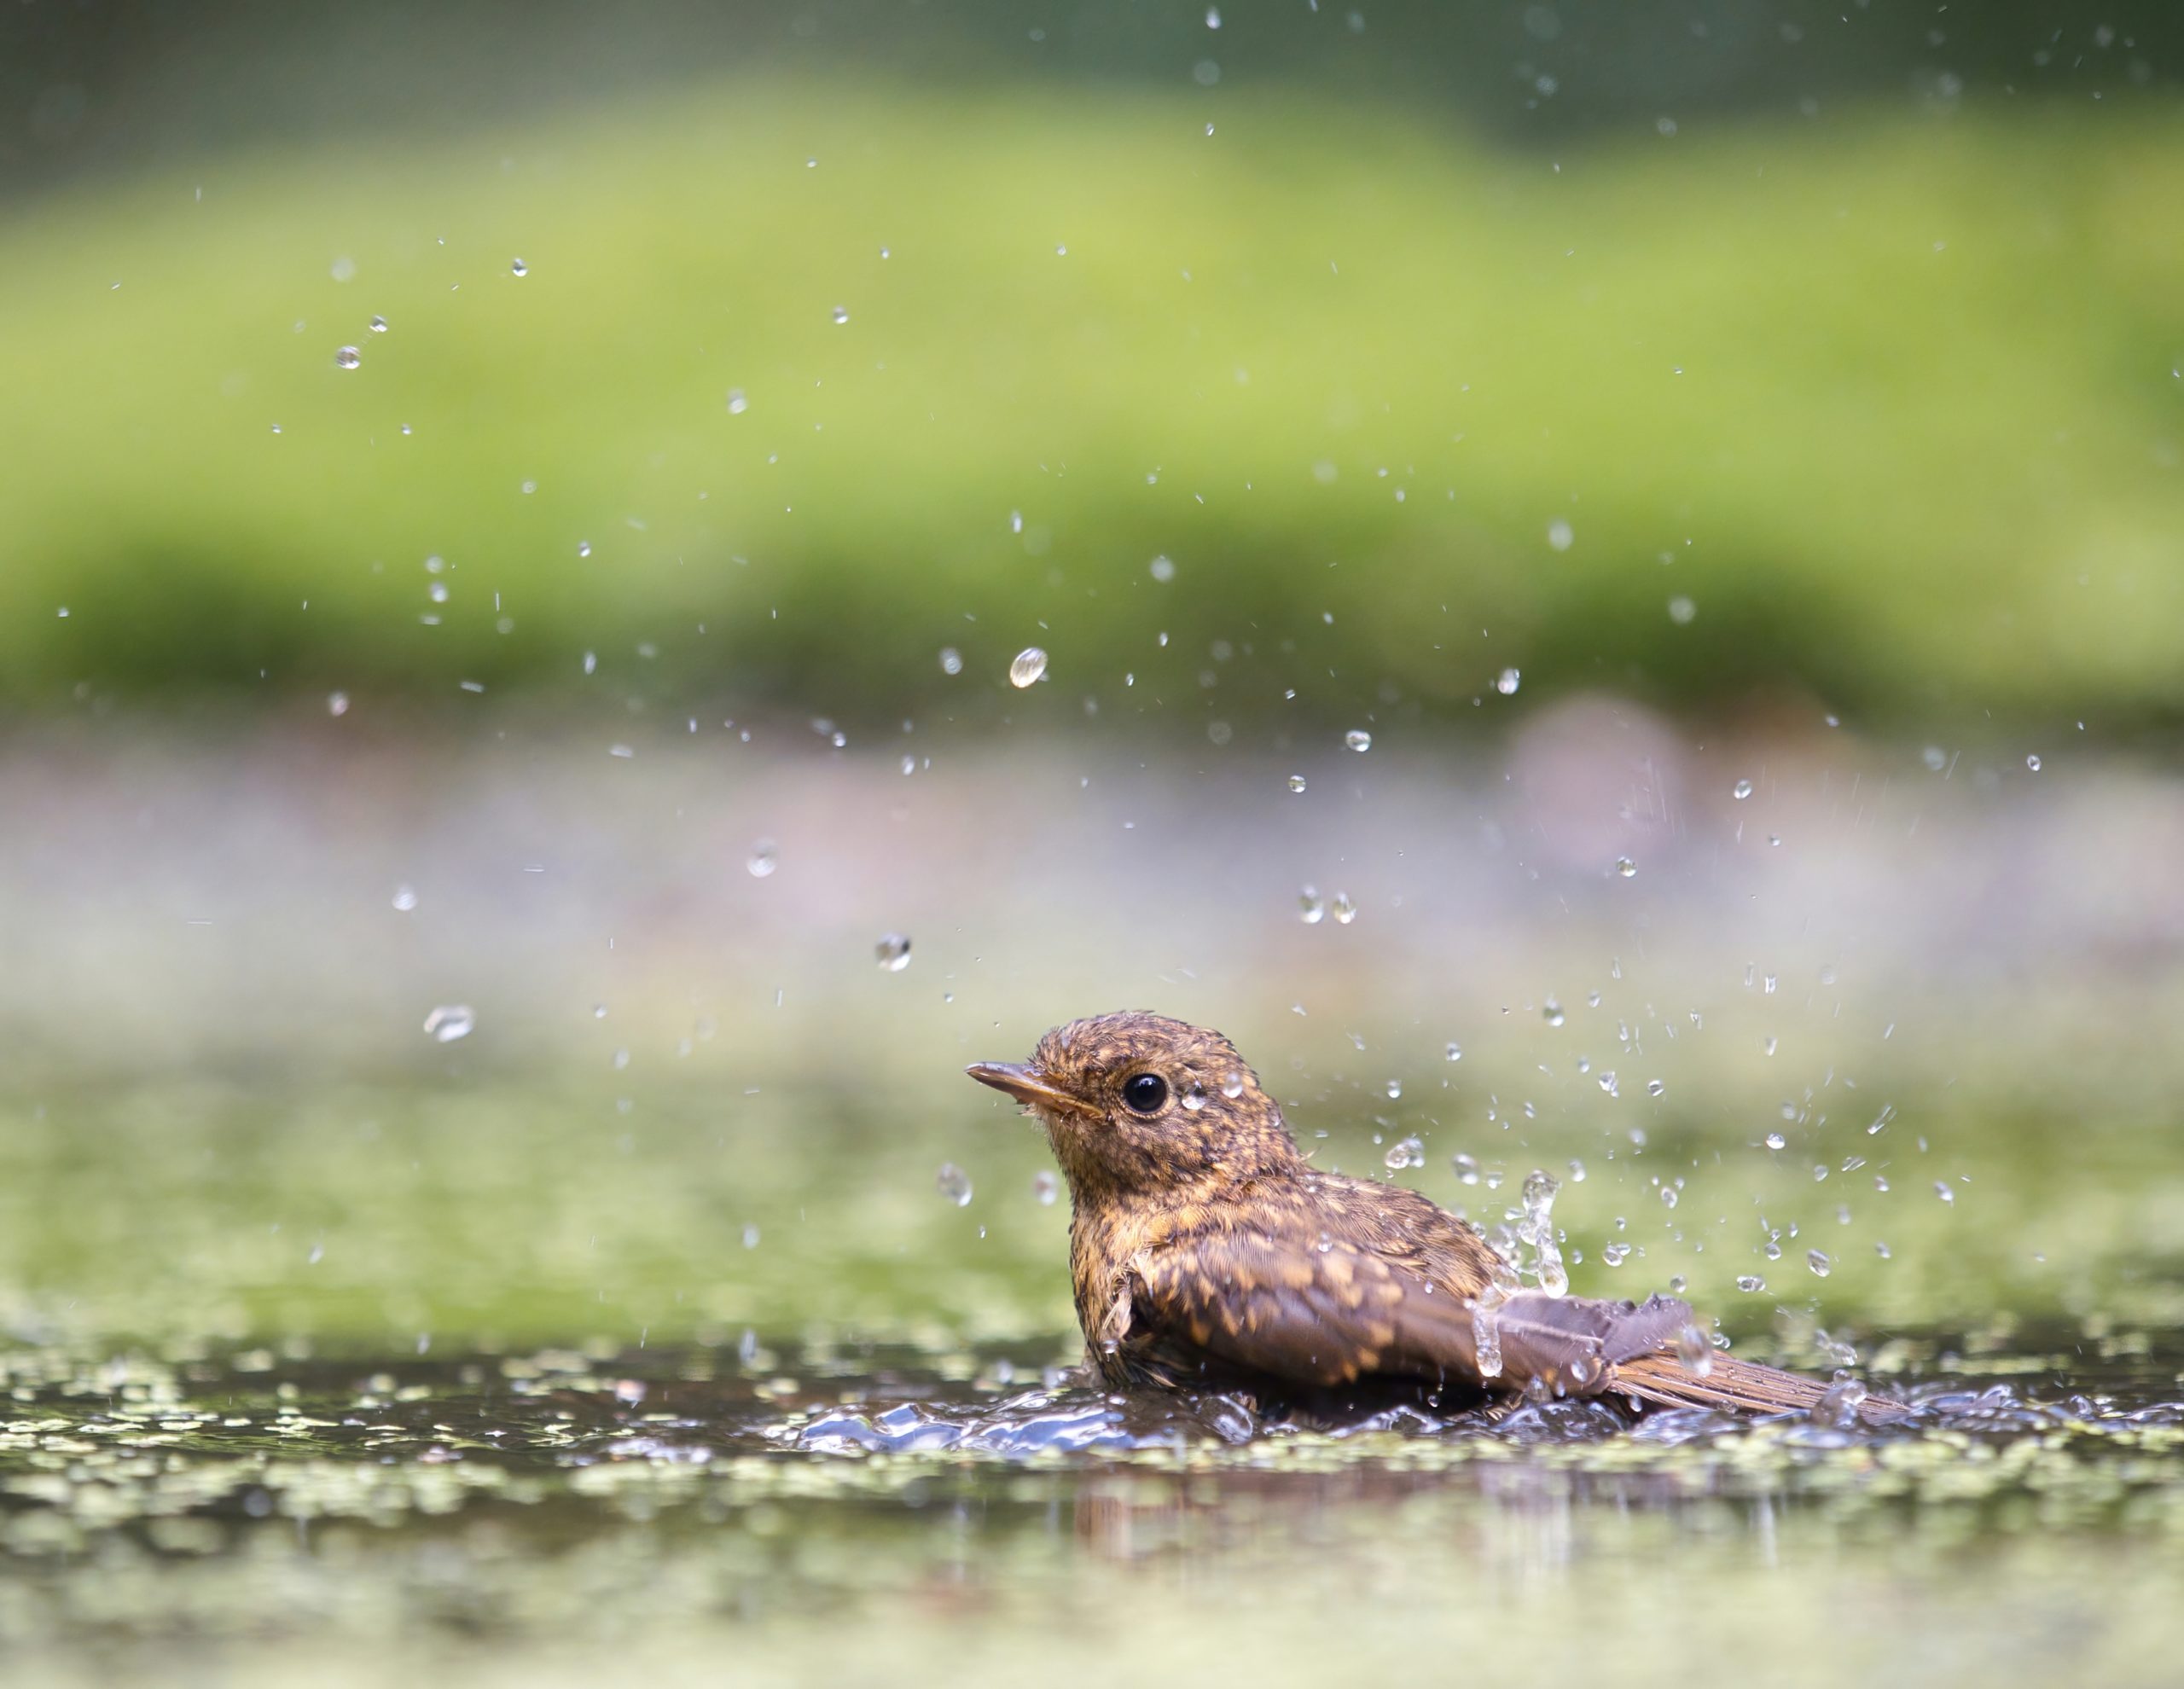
[[1025, 1084]]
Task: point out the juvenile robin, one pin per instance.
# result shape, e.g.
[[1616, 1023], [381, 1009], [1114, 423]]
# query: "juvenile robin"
[[1207, 1253]]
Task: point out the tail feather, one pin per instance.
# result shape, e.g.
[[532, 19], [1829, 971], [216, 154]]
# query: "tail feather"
[[1591, 1347], [1740, 1386]]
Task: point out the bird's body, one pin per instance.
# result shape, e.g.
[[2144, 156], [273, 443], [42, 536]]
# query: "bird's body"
[[1207, 1253]]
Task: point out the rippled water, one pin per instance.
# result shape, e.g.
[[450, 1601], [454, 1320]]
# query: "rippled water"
[[245, 1505]]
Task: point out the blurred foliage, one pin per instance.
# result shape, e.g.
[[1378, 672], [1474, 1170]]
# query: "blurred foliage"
[[1890, 400]]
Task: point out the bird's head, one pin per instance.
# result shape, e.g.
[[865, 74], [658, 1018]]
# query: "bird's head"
[[1134, 1101]]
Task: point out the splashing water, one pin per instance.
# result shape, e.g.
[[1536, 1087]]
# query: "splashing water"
[[1838, 1406], [1536, 1226], [1486, 1330]]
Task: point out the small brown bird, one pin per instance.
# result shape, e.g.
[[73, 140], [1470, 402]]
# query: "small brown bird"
[[1208, 1253]]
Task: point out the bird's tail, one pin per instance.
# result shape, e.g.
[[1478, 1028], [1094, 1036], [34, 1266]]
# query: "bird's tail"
[[1742, 1387], [1620, 1349]]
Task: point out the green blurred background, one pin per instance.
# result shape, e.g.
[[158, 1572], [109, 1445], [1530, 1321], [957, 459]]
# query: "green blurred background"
[[1687, 351]]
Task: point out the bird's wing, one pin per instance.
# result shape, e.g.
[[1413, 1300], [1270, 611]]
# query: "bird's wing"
[[1321, 1312]]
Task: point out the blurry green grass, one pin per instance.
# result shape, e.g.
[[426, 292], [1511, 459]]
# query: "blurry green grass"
[[1891, 400]]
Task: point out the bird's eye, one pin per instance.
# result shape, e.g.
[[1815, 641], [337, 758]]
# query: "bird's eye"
[[1145, 1092]]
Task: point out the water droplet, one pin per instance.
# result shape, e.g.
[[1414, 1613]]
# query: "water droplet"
[[1027, 666], [1681, 610], [436, 591], [1193, 1097], [1818, 1261], [953, 1183], [1670, 1196], [1405, 1153], [348, 357], [450, 1021], [1232, 1085], [378, 325], [1560, 534], [1693, 1352], [952, 660], [1344, 910], [1751, 1283], [893, 952], [1536, 1227], [337, 703], [1507, 681], [1486, 1331], [1607, 1082], [1358, 739], [519, 268], [762, 859], [1213, 17], [841, 314], [1838, 1404], [2033, 764], [343, 270], [1625, 867], [1296, 782], [1455, 1051], [1467, 1168], [584, 548], [1395, 1089], [1655, 1087], [1936, 758], [1741, 790], [737, 402], [1162, 569], [1615, 1254], [1553, 1011], [1775, 1140], [1309, 910], [750, 1237], [1942, 1191], [1045, 1187], [405, 898]]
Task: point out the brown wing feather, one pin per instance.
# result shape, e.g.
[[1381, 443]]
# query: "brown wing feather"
[[1314, 1315]]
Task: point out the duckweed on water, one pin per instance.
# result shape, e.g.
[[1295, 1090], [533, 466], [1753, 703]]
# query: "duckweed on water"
[[580, 1496]]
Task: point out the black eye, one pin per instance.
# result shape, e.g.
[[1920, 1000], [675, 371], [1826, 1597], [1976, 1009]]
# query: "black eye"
[[1145, 1092]]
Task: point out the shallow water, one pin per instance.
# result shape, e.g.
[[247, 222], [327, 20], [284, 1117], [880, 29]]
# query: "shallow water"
[[506, 1380], [242, 1513]]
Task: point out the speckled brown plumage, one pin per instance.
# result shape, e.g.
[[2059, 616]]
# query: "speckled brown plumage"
[[1208, 1253]]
